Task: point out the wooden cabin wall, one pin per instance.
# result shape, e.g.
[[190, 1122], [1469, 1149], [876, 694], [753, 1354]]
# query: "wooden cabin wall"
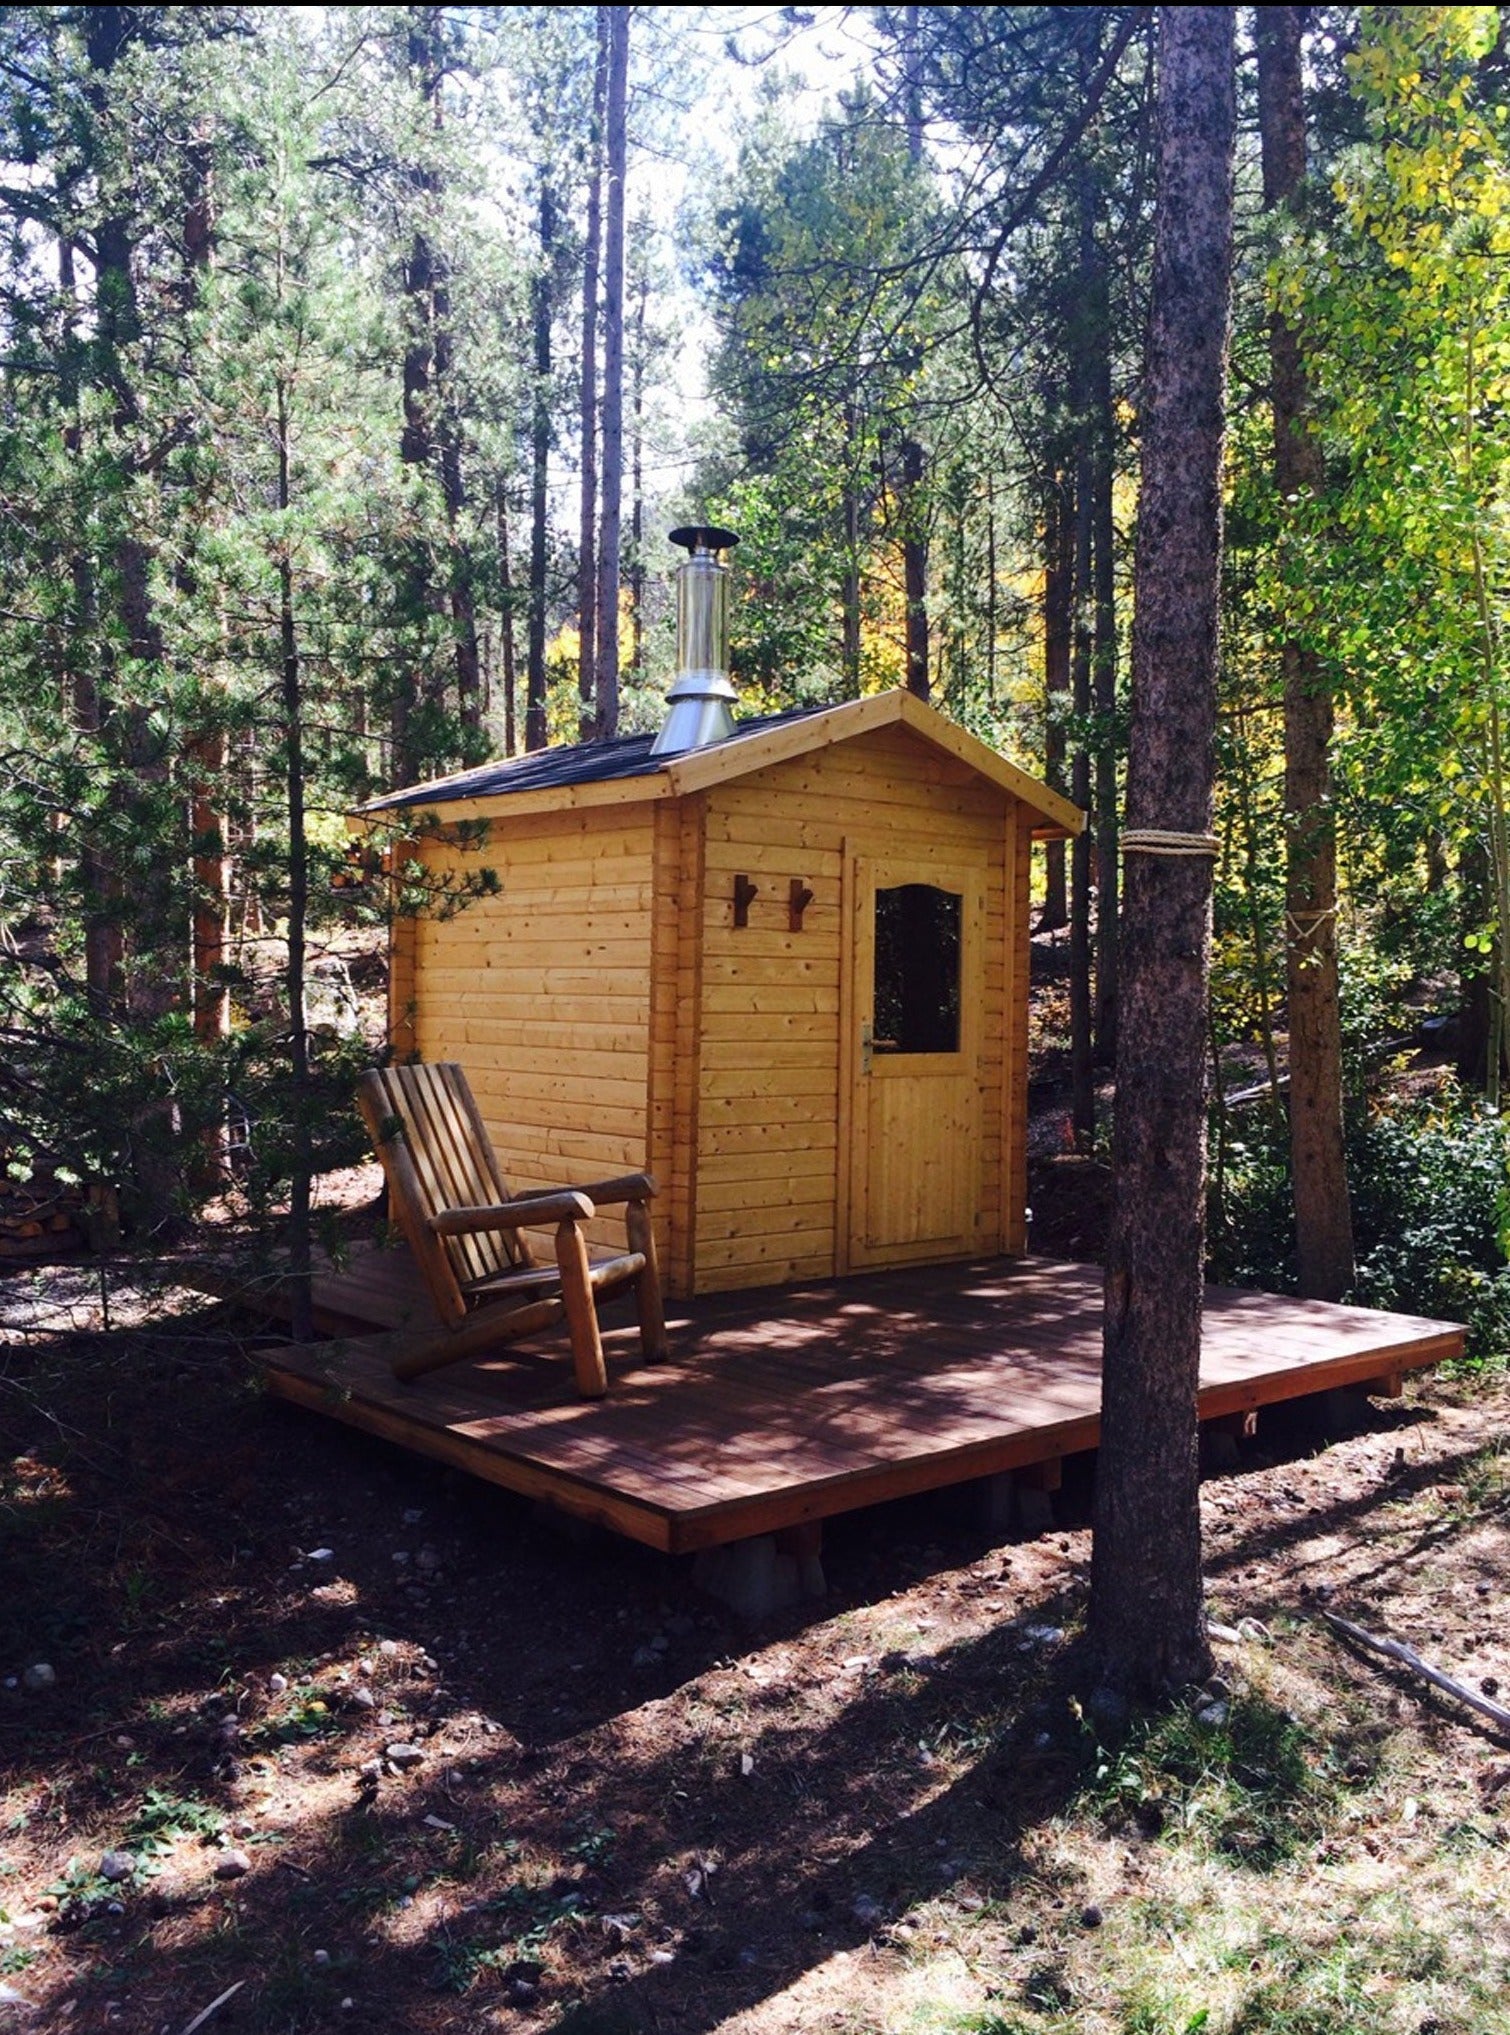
[[1018, 962], [768, 1186], [543, 993]]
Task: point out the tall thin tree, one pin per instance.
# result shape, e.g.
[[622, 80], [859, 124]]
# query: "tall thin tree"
[[616, 150], [1323, 1214], [1147, 1618], [592, 261]]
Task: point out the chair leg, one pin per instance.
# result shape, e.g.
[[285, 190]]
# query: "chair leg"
[[647, 1287], [581, 1314]]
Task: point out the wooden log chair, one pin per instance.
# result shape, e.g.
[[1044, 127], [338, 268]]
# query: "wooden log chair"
[[448, 1197]]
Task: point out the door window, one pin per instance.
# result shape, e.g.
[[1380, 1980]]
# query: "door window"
[[917, 969]]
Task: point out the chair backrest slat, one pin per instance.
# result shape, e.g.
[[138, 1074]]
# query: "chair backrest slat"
[[442, 1160]]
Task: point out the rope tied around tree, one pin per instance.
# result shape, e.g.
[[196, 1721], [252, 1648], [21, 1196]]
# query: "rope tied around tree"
[[1158, 841], [1304, 926]]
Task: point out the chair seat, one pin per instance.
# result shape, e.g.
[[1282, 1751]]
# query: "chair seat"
[[466, 1231]]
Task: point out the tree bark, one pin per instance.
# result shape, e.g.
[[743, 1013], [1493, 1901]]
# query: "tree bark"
[[616, 154], [1104, 664], [1147, 1618], [1057, 580], [540, 449], [914, 458], [849, 599], [587, 529], [636, 574], [301, 1131], [1082, 1042], [1323, 1214], [506, 624]]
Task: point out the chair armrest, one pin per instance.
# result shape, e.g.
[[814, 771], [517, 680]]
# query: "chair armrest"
[[565, 1205], [623, 1187]]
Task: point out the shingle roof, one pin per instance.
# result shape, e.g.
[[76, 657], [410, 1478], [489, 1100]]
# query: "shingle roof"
[[577, 763]]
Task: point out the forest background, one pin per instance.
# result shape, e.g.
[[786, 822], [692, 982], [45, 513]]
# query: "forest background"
[[353, 362]]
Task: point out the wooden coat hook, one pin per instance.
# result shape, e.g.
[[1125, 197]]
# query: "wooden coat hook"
[[745, 893], [798, 898]]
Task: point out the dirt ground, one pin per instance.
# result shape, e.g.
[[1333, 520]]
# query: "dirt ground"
[[377, 1747]]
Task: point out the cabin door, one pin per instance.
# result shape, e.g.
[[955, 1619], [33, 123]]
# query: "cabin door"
[[915, 992]]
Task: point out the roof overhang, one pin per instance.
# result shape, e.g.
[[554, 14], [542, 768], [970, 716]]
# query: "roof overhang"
[[1056, 819]]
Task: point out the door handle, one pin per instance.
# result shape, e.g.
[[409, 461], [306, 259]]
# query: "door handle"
[[867, 1043]]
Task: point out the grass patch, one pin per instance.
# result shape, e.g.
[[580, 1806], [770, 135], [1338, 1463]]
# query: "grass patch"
[[1250, 1786]]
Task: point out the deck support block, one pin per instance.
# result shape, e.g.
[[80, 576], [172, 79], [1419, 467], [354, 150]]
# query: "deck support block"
[[1220, 1438], [770, 1572]]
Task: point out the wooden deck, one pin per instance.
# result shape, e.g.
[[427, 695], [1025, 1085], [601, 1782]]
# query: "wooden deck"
[[785, 1406]]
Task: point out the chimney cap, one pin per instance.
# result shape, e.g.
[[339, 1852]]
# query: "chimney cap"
[[704, 537]]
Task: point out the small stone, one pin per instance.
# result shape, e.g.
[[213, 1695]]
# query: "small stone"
[[347, 2004], [116, 1866], [1043, 1635], [1212, 1715], [388, 1648], [428, 1559], [414, 1515], [371, 1770], [277, 1684], [1490, 1685], [321, 1555], [1090, 1916], [866, 1912], [322, 1958], [232, 1865], [125, 1742], [115, 1907], [403, 1755], [1216, 1687], [1255, 1629], [746, 1764], [362, 1698], [663, 1957], [39, 1676]]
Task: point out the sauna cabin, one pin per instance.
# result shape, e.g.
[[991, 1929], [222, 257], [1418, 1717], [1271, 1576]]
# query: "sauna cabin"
[[779, 963]]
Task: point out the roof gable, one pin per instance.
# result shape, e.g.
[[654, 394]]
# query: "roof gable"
[[602, 773]]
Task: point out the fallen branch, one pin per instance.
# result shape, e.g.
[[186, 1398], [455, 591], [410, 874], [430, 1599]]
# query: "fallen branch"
[[1408, 1658], [204, 2014]]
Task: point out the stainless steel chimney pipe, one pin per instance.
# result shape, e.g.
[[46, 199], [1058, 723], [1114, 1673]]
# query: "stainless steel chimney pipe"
[[702, 696]]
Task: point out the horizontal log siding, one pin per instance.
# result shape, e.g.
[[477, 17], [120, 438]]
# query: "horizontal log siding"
[[544, 994], [767, 1158]]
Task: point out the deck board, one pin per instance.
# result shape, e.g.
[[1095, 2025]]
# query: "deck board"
[[787, 1405]]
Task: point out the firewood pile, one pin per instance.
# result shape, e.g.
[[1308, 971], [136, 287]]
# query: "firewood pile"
[[42, 1216]]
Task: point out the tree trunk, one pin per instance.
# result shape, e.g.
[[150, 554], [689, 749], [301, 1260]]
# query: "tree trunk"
[[506, 625], [613, 372], [1476, 975], [1057, 579], [1323, 1215], [849, 620], [587, 529], [914, 459], [1082, 1073], [636, 573], [301, 1130], [540, 447], [1147, 1617], [1104, 662]]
